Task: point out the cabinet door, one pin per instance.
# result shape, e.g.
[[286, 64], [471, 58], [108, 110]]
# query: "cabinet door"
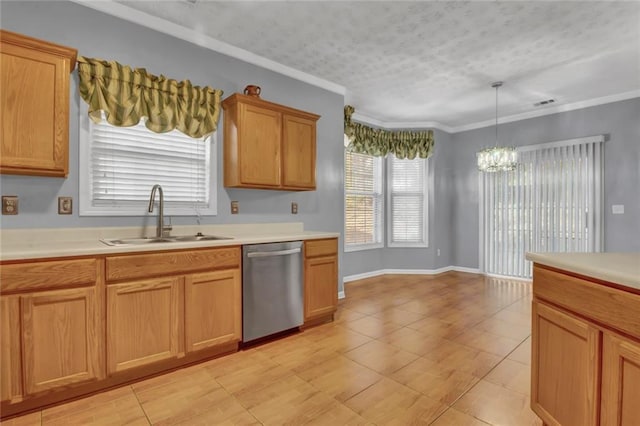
[[35, 106], [61, 339], [320, 286], [10, 357], [620, 381], [299, 152], [143, 322], [213, 309], [259, 146], [564, 369]]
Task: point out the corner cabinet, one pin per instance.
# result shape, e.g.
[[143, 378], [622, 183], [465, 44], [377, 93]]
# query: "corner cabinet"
[[320, 280], [34, 103], [268, 146], [585, 367]]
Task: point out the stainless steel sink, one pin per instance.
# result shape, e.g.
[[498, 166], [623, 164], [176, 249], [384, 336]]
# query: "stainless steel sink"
[[171, 239]]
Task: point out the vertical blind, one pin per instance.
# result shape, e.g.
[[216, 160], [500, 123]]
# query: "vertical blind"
[[363, 200], [125, 163], [551, 203], [407, 186]]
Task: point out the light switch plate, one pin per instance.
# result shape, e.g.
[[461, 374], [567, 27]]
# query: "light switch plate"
[[617, 209], [9, 204], [65, 205], [235, 208]]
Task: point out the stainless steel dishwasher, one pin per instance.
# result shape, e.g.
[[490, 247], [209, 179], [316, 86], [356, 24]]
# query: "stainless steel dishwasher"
[[272, 294]]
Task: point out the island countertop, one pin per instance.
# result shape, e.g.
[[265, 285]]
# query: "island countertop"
[[617, 268]]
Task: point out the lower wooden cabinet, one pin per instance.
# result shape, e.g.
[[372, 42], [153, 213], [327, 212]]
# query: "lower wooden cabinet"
[[143, 322], [10, 351], [61, 339], [213, 309], [585, 367], [320, 278], [566, 352], [620, 381]]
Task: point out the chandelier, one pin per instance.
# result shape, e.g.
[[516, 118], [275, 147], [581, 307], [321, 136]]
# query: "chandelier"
[[497, 158]]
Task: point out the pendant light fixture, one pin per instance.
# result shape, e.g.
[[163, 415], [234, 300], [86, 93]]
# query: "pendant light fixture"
[[497, 158]]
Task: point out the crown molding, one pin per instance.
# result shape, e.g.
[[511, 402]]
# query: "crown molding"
[[141, 18], [390, 125], [362, 118], [550, 110]]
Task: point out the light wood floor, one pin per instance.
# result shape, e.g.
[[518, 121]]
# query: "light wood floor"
[[450, 349]]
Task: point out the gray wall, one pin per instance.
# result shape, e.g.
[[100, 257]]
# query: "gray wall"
[[440, 231], [620, 121], [95, 34]]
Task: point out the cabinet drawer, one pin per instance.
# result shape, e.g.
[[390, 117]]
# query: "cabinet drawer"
[[614, 308], [314, 248], [170, 263], [48, 274]]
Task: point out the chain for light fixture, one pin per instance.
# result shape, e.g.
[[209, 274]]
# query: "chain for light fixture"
[[497, 158]]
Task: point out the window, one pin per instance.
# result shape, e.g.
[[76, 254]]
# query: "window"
[[551, 203], [363, 201], [407, 202], [120, 165]]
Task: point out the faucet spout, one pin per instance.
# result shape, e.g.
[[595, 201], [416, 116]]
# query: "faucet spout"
[[160, 228]]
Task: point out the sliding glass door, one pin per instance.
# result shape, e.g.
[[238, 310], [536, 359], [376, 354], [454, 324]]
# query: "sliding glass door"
[[551, 203]]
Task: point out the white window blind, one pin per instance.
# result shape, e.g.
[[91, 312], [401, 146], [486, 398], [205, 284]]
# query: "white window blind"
[[121, 165], [363, 201], [551, 203], [407, 206]]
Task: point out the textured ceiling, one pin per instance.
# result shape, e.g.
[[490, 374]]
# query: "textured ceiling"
[[434, 61]]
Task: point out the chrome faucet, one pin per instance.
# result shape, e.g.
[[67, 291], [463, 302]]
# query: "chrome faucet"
[[161, 230]]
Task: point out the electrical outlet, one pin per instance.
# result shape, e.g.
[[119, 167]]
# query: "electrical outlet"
[[294, 208], [438, 252], [235, 208], [9, 204], [65, 205]]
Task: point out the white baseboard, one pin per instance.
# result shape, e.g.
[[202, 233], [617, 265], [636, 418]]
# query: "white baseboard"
[[410, 272], [506, 277], [465, 269], [362, 276], [341, 295]]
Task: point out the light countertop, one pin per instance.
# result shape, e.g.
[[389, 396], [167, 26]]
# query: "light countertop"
[[20, 244], [617, 268]]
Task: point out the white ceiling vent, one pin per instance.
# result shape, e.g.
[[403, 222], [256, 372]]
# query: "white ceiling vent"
[[543, 103]]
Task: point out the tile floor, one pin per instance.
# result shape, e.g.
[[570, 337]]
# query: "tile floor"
[[449, 349]]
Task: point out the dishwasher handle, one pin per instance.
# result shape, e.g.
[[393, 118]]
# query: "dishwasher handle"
[[273, 253]]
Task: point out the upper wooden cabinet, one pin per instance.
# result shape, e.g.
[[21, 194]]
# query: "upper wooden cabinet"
[[34, 105], [267, 145]]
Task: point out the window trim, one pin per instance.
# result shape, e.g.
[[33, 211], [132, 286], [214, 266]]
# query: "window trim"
[[84, 185], [389, 220], [370, 246]]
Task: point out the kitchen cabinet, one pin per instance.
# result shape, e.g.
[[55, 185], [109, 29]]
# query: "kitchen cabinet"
[[566, 353], [143, 322], [61, 338], [320, 279], [213, 309], [585, 350], [10, 353], [620, 381], [35, 105], [51, 331], [267, 145], [163, 305]]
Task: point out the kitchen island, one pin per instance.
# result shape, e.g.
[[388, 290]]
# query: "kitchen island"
[[586, 338]]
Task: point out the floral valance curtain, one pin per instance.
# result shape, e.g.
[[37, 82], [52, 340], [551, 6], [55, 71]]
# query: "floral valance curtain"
[[127, 95], [379, 142]]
